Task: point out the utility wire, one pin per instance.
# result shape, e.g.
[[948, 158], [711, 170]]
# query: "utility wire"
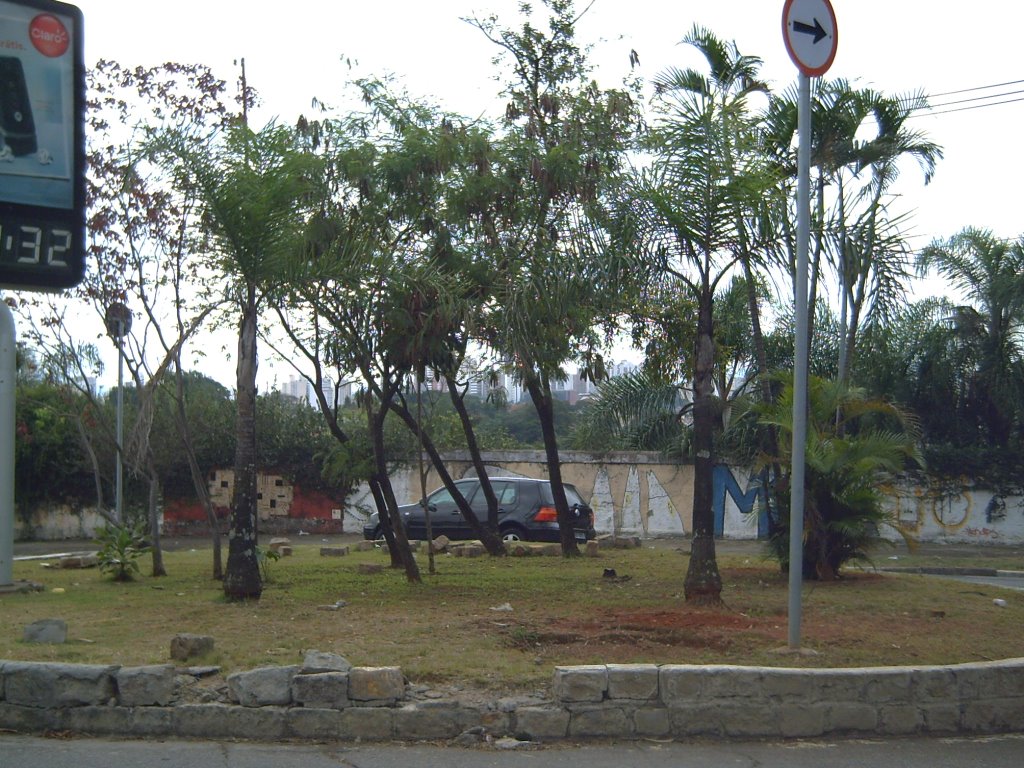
[[964, 109], [976, 88]]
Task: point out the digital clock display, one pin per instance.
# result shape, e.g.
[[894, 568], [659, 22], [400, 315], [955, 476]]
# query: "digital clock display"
[[38, 252], [42, 145]]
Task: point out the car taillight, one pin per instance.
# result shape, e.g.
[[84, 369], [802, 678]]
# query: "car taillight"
[[546, 515]]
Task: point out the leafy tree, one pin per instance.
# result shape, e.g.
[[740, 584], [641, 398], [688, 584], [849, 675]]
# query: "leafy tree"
[[988, 273], [535, 212]]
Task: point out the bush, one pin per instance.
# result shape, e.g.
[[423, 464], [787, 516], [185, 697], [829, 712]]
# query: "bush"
[[120, 548]]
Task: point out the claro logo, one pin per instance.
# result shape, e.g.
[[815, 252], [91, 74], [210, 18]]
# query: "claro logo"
[[49, 35]]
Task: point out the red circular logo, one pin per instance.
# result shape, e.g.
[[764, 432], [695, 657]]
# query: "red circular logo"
[[49, 36]]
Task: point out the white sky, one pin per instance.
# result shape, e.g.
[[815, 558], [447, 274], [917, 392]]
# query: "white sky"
[[293, 53]]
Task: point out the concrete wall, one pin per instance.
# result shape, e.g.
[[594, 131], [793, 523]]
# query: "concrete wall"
[[598, 701]]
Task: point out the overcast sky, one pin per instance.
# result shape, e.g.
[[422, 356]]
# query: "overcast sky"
[[294, 50]]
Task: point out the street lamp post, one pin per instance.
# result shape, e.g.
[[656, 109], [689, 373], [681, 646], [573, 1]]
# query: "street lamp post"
[[118, 320]]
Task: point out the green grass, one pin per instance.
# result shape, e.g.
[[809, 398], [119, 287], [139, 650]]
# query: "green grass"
[[563, 612]]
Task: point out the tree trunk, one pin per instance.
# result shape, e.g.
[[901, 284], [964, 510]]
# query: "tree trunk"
[[154, 516], [242, 579], [703, 584], [540, 393], [387, 494], [491, 541], [459, 403]]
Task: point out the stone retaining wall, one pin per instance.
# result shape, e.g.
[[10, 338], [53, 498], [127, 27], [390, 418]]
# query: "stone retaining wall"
[[601, 701]]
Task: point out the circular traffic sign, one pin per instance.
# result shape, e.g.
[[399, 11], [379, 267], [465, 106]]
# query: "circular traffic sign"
[[811, 35]]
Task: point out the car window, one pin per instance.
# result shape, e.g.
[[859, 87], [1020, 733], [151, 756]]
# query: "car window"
[[571, 494], [506, 493], [442, 496]]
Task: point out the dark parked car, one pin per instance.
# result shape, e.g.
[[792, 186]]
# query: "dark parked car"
[[526, 512]]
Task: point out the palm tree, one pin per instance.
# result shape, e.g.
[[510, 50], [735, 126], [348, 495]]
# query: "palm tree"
[[686, 212], [252, 188], [844, 506], [988, 273]]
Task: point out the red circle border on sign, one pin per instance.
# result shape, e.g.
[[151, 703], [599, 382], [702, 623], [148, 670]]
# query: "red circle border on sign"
[[810, 71]]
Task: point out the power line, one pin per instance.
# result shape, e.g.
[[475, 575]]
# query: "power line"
[[976, 88], [975, 98], [964, 109]]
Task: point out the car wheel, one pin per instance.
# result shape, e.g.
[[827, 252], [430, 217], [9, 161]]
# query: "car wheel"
[[512, 533]]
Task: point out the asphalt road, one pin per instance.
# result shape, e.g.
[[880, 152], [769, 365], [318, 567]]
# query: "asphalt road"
[[991, 752]]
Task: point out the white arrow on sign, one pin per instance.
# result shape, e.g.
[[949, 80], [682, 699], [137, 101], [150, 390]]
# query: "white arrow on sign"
[[811, 35]]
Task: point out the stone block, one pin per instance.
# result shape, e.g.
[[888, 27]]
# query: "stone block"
[[541, 723], [306, 723], [366, 546], [651, 722], [152, 721], [801, 720], [633, 681], [378, 684], [286, 551], [848, 716], [321, 690], [548, 550], [262, 687], [79, 561], [54, 686], [941, 718], [53, 631], [377, 724], [221, 721], [899, 720], [98, 721], [185, 646], [681, 684], [440, 544], [731, 682], [518, 549], [746, 719], [276, 544], [593, 549], [626, 542], [933, 684], [891, 685], [22, 719], [146, 686], [580, 683], [321, 661], [694, 719], [790, 685], [334, 551], [419, 722], [604, 722]]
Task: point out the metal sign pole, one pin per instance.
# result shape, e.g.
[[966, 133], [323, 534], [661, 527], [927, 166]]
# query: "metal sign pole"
[[799, 451], [8, 389]]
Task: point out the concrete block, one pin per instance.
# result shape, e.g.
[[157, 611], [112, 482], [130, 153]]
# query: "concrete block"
[[694, 719], [262, 687], [379, 684], [746, 720], [152, 721], [891, 685], [276, 544], [145, 686], [941, 718], [366, 546], [377, 724], [731, 682], [541, 723], [24, 719], [637, 682], [580, 683], [605, 722], [933, 684], [593, 549], [54, 686], [681, 684], [321, 690]]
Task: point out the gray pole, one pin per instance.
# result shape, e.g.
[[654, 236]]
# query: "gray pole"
[[119, 474], [803, 231], [8, 384]]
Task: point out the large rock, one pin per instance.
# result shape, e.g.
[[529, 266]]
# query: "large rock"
[[320, 661], [322, 690], [185, 646], [46, 631], [262, 687], [149, 686]]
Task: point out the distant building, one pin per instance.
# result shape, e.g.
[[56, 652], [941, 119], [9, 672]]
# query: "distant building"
[[301, 389]]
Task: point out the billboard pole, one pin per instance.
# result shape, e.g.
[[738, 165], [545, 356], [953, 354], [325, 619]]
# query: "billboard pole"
[[8, 377]]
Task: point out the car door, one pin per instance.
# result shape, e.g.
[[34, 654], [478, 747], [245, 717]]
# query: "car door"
[[507, 493], [445, 517]]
